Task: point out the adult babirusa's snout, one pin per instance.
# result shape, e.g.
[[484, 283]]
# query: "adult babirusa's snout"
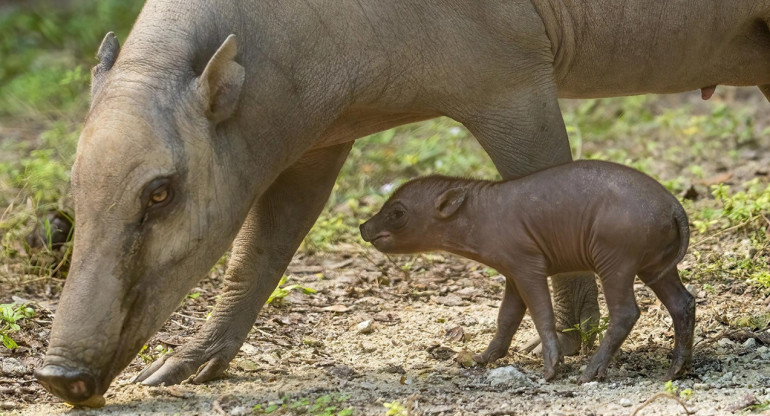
[[74, 386]]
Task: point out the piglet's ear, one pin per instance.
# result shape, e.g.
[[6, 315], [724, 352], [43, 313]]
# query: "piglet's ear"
[[449, 202], [107, 55], [221, 82]]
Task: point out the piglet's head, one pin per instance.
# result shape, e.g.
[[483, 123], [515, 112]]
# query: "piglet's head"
[[417, 216]]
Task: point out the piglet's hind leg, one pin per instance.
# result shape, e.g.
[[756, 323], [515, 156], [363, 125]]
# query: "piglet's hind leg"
[[681, 305], [508, 319], [619, 292]]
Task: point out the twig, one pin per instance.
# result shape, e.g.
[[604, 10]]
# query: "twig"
[[658, 396], [410, 402], [717, 234], [404, 272], [189, 317], [183, 326]]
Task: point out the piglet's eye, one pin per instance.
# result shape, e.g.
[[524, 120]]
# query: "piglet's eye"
[[397, 214]]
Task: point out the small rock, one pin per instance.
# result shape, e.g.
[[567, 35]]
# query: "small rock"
[[342, 371], [690, 288], [312, 342], [7, 406], [701, 386], [449, 300], [750, 343], [13, 368], [468, 293], [249, 349], [365, 327], [508, 376], [725, 343], [625, 402], [395, 369], [240, 411], [368, 347]]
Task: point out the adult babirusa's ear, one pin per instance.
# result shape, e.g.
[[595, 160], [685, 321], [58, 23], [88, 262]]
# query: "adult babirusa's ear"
[[107, 55], [221, 82], [449, 202]]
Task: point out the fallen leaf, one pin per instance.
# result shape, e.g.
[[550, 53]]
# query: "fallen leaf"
[[716, 179], [336, 308], [455, 334]]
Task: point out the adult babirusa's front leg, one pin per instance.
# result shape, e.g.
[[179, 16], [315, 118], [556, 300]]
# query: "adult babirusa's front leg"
[[273, 231], [523, 133]]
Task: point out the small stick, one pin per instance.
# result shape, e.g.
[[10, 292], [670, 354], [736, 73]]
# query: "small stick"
[[717, 234], [658, 396]]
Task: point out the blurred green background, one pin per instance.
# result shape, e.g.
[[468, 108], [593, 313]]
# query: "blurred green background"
[[48, 48]]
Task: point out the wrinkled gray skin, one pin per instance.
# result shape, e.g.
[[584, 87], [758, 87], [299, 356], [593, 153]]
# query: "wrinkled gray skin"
[[573, 217], [240, 138]]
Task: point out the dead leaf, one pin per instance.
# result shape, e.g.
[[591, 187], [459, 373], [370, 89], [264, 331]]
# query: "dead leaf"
[[716, 179], [178, 391], [455, 334], [336, 308]]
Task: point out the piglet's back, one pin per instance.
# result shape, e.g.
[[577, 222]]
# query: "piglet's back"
[[577, 210]]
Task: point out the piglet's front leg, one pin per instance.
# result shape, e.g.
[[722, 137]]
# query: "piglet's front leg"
[[508, 319], [533, 288]]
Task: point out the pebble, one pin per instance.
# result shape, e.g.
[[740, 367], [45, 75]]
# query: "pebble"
[[690, 288], [240, 411], [365, 327], [249, 349], [7, 406], [508, 376], [725, 343], [625, 402], [449, 300], [750, 343], [368, 347]]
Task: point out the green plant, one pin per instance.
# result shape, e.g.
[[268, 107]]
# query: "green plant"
[[673, 389], [395, 409], [325, 405], [587, 332], [282, 291], [11, 314], [149, 356]]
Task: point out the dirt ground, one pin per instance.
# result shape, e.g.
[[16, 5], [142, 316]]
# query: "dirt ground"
[[375, 333], [309, 346]]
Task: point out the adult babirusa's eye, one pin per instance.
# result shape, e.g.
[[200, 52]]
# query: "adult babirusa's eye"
[[397, 214], [159, 193]]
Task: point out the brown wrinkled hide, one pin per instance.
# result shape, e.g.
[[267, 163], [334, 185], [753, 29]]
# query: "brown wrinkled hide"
[[581, 216], [247, 133]]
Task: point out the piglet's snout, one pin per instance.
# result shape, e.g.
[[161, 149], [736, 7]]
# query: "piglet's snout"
[[365, 231]]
